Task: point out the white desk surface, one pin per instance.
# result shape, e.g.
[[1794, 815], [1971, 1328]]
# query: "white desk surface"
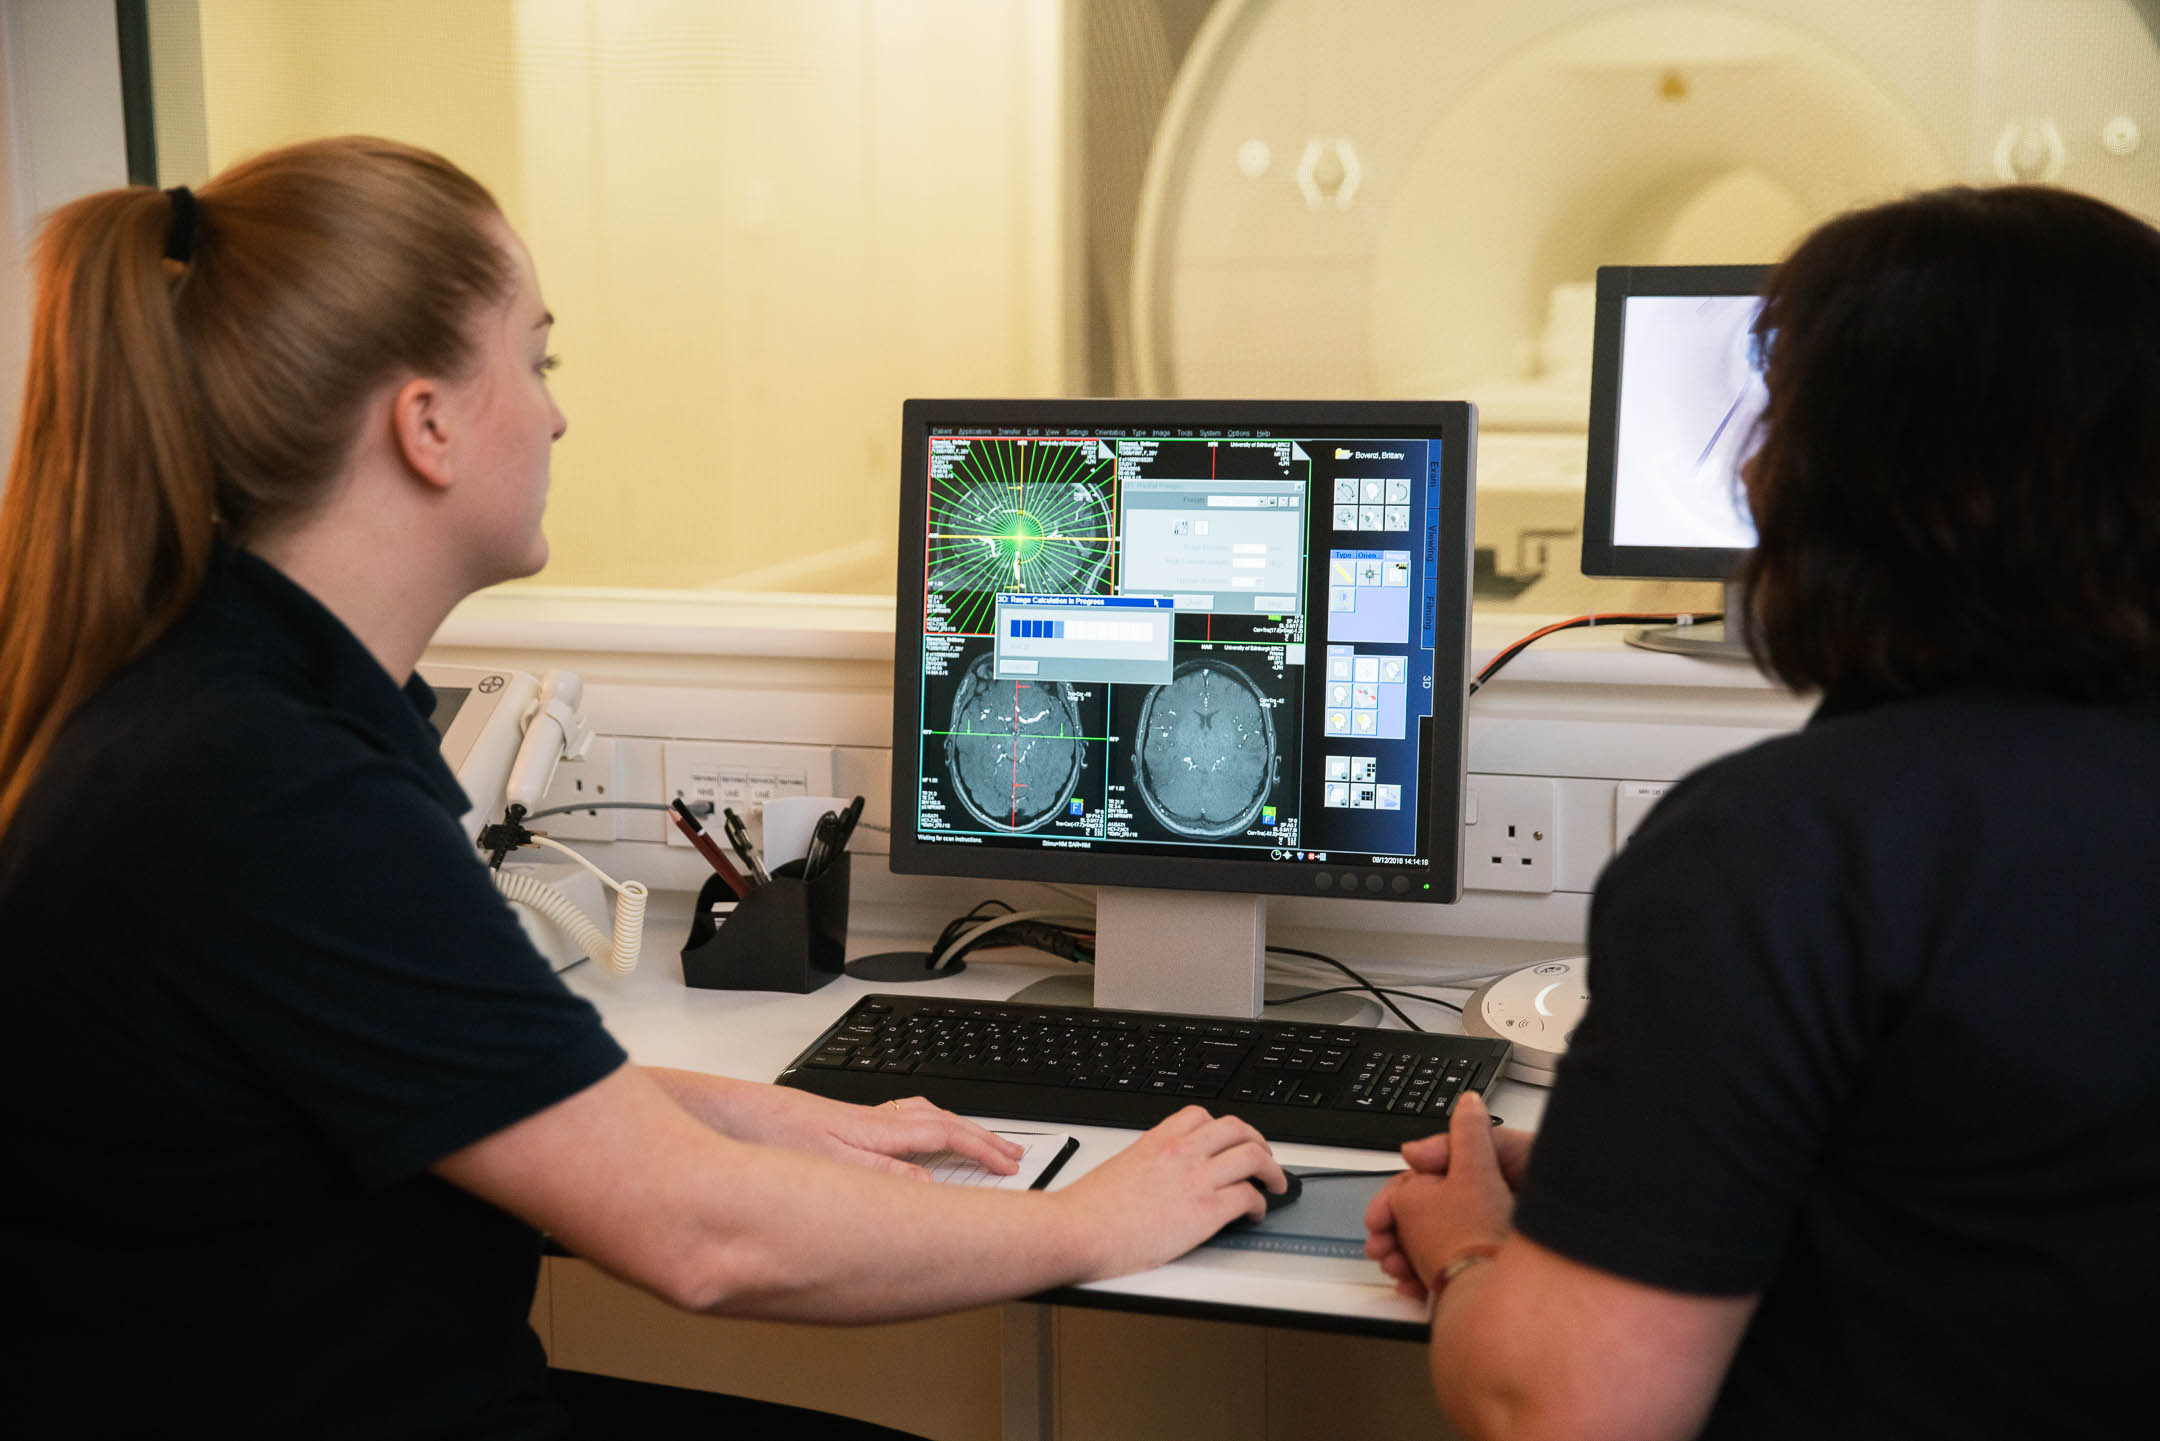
[[753, 1034]]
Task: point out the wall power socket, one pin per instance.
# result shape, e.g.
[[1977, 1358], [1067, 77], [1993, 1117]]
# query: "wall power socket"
[[1511, 833]]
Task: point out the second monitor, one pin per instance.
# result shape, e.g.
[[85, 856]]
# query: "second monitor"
[[1191, 653], [1676, 399]]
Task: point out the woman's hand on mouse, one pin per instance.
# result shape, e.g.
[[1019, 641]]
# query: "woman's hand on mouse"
[[1455, 1199], [1171, 1189]]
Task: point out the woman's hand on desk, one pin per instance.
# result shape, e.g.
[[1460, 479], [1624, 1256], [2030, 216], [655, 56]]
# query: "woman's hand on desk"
[[876, 1136], [1171, 1189], [872, 1136]]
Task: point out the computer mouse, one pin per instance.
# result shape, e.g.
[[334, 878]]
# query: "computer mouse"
[[1275, 1201]]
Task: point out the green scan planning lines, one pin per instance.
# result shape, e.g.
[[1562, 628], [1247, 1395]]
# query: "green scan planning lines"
[[1020, 515]]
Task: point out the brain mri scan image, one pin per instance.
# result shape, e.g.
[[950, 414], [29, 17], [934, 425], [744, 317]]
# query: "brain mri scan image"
[[1206, 756], [1015, 750]]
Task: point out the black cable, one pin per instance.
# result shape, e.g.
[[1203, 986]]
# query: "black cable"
[[1428, 1000], [954, 927], [703, 808], [1363, 991], [1067, 943], [1362, 983], [1585, 621], [1077, 944]]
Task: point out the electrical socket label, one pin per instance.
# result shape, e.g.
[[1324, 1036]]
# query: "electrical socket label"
[[741, 777], [1633, 800]]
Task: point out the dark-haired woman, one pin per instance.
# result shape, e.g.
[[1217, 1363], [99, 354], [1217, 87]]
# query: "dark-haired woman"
[[1861, 1134], [286, 1091]]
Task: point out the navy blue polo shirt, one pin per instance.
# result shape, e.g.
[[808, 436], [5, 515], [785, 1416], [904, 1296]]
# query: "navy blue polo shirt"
[[1872, 1033], [257, 981]]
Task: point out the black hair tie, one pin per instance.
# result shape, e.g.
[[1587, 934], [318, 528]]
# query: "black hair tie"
[[180, 239]]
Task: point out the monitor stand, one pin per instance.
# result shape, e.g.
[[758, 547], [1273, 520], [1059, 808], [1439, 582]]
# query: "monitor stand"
[[1191, 951], [1707, 640]]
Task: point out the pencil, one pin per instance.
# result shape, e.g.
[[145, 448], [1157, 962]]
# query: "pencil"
[[687, 823]]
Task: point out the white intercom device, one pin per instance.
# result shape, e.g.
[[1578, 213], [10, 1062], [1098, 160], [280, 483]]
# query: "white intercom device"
[[480, 715], [1535, 1010], [503, 733]]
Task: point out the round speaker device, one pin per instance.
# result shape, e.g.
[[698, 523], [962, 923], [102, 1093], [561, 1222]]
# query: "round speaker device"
[[1535, 1010]]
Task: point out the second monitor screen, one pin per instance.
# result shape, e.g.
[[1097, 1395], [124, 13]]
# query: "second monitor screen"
[[1201, 644]]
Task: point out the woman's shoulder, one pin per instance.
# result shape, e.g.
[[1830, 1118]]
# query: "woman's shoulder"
[[197, 728], [1908, 778], [1959, 737]]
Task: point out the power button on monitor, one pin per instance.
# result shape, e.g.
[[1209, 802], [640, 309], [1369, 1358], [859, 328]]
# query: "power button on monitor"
[[1375, 883]]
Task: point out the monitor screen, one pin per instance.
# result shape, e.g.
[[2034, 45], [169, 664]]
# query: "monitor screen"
[[1676, 392], [1184, 646]]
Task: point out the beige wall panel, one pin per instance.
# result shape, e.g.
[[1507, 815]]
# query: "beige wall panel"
[[1321, 1385], [1124, 1377], [938, 1379]]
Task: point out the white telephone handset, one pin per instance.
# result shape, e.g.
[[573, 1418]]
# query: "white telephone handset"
[[555, 731], [503, 733]]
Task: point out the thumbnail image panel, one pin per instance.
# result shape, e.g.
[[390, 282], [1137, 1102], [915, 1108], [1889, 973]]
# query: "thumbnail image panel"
[[1016, 515]]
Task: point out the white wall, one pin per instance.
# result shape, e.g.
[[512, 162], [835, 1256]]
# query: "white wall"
[[14, 276], [61, 136]]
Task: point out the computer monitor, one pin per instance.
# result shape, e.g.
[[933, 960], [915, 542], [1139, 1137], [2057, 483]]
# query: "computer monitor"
[[1676, 392], [1192, 653]]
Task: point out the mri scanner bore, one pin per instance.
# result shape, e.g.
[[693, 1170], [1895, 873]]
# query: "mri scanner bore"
[[1427, 218]]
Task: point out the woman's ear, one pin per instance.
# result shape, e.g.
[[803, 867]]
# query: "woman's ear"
[[420, 427]]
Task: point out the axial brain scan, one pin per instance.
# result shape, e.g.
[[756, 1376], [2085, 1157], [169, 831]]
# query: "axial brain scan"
[[1207, 750], [1014, 751]]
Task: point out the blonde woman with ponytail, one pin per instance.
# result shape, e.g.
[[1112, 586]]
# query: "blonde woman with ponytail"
[[288, 1093]]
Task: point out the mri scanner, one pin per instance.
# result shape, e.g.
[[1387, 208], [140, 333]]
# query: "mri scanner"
[[1400, 198]]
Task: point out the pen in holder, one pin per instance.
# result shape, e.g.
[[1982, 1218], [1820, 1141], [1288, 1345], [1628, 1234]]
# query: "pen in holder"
[[786, 935]]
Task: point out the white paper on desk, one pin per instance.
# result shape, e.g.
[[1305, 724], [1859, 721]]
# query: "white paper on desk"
[[1041, 1153]]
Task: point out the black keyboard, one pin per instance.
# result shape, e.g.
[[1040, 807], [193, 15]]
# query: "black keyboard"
[[1331, 1085]]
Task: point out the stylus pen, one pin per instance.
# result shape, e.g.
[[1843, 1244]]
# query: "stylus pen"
[[738, 836], [848, 818], [688, 825], [824, 845]]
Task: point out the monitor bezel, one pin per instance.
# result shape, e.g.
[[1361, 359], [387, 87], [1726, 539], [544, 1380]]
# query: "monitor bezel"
[[1454, 422], [1616, 285]]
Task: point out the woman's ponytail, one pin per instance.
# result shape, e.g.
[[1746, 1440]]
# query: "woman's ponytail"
[[106, 520]]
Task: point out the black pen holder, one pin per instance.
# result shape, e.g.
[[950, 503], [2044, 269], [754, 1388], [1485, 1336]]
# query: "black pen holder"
[[787, 935]]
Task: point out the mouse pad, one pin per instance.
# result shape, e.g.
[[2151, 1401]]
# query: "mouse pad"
[[1328, 1220]]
